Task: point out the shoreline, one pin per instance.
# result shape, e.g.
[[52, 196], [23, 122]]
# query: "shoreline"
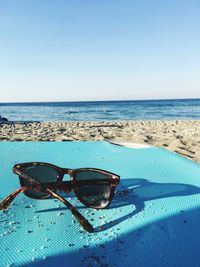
[[180, 136]]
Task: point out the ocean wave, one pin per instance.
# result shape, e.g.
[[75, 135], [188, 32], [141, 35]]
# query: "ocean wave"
[[113, 110]]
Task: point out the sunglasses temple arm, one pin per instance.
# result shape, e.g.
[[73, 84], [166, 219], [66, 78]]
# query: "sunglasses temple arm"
[[84, 223], [6, 202]]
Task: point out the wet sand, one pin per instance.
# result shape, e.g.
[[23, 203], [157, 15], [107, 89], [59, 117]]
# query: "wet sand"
[[182, 137]]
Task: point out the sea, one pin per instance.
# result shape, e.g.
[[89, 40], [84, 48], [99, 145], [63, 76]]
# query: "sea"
[[176, 109]]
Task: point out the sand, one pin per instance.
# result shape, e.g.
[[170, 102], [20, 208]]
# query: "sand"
[[182, 137]]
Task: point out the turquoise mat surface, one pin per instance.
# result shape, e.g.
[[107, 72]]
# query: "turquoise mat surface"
[[154, 219]]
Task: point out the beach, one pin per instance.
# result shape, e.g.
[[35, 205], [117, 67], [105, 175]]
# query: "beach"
[[179, 136]]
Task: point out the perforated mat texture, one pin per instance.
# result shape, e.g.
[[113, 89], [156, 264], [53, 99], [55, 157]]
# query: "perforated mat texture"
[[153, 220]]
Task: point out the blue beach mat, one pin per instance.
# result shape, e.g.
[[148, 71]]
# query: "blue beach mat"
[[154, 219]]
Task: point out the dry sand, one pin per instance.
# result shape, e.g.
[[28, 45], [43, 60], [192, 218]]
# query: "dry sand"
[[182, 137]]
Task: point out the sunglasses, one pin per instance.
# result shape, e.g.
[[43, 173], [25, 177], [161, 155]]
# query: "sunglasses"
[[93, 187]]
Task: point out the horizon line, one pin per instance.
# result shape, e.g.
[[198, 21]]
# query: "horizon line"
[[86, 101]]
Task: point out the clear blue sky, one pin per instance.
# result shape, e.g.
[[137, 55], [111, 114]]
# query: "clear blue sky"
[[67, 50]]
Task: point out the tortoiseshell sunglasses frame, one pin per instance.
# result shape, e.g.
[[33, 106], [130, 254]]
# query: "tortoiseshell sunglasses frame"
[[64, 186]]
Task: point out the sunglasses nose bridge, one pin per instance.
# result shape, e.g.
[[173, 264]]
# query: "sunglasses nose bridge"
[[67, 171]]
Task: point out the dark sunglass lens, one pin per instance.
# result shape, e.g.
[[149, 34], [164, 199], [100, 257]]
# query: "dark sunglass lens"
[[42, 174], [96, 196]]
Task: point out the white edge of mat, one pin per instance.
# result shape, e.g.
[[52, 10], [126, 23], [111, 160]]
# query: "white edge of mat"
[[130, 144]]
